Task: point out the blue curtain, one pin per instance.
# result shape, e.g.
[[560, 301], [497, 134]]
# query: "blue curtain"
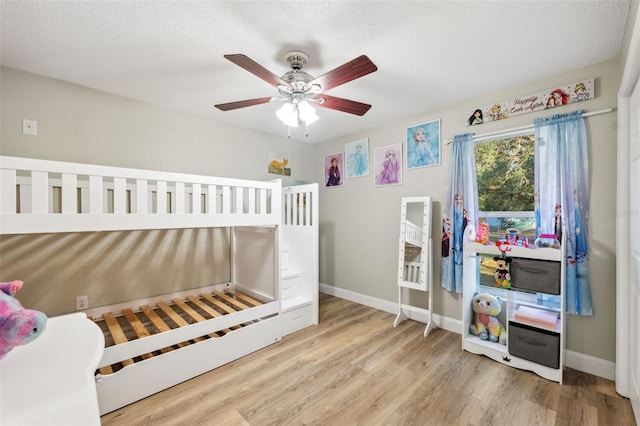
[[460, 210], [562, 198]]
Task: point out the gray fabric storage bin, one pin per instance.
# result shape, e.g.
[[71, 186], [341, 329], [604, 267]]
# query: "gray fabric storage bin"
[[535, 275], [534, 344]]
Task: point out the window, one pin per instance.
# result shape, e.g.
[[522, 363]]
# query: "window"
[[505, 172]]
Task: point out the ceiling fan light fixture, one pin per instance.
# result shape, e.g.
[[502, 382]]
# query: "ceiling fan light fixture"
[[307, 113], [288, 114], [292, 114]]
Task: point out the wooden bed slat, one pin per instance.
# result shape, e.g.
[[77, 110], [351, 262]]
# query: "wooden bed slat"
[[116, 332], [228, 309], [247, 299], [138, 327], [192, 313], [175, 317], [226, 297], [159, 323], [208, 309]]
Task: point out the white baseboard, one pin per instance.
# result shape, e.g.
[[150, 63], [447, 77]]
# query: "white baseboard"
[[577, 361]]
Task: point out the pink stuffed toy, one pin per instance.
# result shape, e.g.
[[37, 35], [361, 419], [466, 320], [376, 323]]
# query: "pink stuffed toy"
[[18, 326]]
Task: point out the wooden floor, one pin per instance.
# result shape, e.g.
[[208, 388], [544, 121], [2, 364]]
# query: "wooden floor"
[[356, 369]]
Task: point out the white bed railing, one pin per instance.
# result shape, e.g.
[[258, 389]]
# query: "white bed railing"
[[413, 234], [41, 196]]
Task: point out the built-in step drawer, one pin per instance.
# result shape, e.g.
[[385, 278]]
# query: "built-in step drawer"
[[289, 286], [297, 319]]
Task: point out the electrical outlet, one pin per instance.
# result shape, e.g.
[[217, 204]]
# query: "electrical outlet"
[[29, 127], [82, 303]]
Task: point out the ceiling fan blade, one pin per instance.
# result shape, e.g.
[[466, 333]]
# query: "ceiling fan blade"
[[242, 104], [344, 105], [356, 68], [255, 68]]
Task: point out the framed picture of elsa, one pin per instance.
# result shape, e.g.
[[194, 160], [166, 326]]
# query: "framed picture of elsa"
[[387, 163], [423, 145], [333, 169], [357, 156]]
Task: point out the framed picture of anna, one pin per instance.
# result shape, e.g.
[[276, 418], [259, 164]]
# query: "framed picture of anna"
[[334, 169]]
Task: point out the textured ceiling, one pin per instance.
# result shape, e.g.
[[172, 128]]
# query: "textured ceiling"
[[429, 54]]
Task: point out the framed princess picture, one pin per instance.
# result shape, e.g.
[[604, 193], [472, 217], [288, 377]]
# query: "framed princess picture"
[[387, 161], [423, 145], [333, 169], [357, 157]]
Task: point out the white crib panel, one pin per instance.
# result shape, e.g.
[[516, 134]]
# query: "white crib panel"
[[8, 195]]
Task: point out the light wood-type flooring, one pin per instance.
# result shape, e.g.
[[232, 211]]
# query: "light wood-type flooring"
[[354, 368]]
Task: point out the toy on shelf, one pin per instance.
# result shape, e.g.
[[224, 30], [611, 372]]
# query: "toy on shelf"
[[486, 324], [514, 237], [502, 275], [547, 241], [18, 326], [483, 234]]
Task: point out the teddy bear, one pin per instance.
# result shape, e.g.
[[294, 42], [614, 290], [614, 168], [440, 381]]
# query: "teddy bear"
[[18, 326], [485, 323], [502, 275]]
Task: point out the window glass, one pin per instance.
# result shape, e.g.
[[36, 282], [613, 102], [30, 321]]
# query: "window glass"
[[505, 171]]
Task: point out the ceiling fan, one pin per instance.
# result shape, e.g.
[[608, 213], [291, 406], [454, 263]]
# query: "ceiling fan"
[[298, 89]]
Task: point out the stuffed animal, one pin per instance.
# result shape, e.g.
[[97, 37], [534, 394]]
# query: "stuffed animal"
[[486, 324], [483, 233], [18, 326], [502, 275]]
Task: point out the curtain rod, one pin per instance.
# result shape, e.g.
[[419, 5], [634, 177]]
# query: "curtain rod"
[[517, 131]]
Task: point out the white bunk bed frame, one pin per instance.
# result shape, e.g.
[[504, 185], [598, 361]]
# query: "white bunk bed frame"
[[40, 196]]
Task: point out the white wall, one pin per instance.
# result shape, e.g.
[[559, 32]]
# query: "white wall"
[[360, 223]]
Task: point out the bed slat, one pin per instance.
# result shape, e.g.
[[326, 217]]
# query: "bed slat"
[[158, 322], [175, 317], [230, 299], [116, 332], [137, 326], [208, 309]]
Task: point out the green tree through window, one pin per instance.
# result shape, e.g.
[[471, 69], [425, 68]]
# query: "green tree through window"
[[505, 174]]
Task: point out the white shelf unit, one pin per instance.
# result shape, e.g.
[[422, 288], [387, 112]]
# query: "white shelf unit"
[[299, 257], [536, 345]]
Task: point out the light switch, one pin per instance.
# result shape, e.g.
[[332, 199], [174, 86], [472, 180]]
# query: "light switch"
[[29, 127]]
